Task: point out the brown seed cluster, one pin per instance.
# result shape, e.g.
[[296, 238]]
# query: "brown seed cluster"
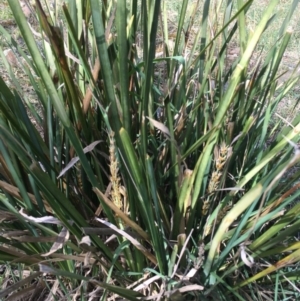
[[115, 194], [223, 155], [214, 182]]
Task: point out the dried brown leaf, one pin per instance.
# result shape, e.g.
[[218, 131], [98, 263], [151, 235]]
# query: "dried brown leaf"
[[16, 286], [138, 245], [122, 215], [61, 240], [160, 126], [76, 159]]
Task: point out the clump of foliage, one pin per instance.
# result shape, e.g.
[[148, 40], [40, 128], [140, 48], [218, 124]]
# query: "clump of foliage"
[[146, 175]]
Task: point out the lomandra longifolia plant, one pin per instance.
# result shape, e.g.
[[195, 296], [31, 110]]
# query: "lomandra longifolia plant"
[[147, 163]]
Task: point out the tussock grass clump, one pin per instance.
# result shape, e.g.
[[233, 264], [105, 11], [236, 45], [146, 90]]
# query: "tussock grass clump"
[[148, 171]]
